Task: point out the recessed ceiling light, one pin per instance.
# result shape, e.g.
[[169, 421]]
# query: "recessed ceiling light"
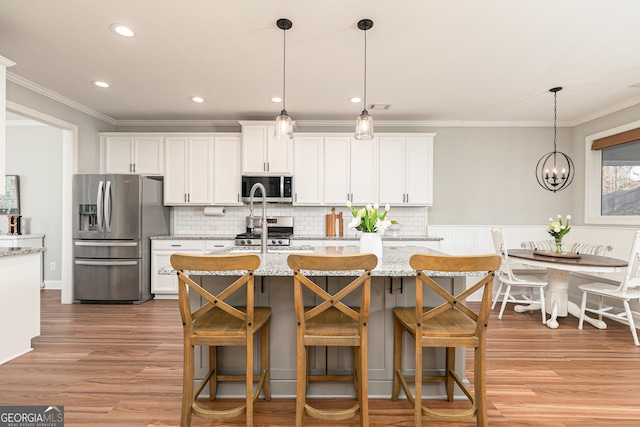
[[100, 83], [123, 30], [276, 99], [197, 99], [355, 99]]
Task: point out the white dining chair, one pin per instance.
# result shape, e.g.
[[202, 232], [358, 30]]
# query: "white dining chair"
[[508, 280], [625, 291]]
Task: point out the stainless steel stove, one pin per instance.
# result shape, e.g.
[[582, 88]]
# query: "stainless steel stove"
[[279, 231]]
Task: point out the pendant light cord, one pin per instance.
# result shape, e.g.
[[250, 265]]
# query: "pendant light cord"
[[555, 127], [364, 98], [555, 120], [284, 69]]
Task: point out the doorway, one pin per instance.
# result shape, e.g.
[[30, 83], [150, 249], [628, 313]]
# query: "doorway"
[[69, 168]]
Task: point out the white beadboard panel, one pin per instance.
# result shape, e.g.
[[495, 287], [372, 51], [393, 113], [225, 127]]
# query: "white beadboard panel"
[[476, 239]]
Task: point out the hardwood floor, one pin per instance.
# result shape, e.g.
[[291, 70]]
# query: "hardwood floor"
[[120, 365]]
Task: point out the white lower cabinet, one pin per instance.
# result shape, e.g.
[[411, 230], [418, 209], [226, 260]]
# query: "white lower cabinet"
[[166, 286], [26, 240]]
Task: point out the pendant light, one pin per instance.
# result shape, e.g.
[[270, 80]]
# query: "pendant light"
[[555, 170], [364, 125], [284, 128]]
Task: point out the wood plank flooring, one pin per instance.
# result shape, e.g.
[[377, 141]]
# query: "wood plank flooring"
[[120, 365]]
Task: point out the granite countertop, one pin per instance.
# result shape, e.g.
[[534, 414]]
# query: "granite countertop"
[[295, 237], [192, 237], [20, 251], [395, 261]]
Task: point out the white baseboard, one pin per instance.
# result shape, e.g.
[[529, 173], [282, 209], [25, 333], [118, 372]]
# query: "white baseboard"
[[53, 284]]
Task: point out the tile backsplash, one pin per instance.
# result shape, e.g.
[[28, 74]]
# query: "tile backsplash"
[[309, 221]]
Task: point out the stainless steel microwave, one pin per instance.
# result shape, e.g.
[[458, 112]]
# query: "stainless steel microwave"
[[279, 188]]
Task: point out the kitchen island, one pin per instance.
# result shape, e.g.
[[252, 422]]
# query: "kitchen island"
[[19, 300], [393, 285]]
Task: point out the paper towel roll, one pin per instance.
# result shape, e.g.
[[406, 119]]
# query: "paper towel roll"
[[214, 211]]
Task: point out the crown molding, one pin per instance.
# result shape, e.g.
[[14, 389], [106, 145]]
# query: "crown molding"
[[179, 123], [308, 123], [6, 62], [606, 112], [27, 84]]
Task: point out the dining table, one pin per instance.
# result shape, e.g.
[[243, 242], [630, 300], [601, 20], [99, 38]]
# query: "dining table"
[[558, 267]]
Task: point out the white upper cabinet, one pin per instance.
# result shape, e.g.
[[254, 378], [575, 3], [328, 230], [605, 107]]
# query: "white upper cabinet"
[[350, 170], [406, 170], [308, 174], [261, 152], [189, 170], [364, 171], [133, 154], [227, 170], [336, 169]]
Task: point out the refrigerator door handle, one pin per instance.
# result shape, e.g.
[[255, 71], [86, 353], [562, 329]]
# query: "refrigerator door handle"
[[79, 262], [105, 244], [99, 201], [107, 207]]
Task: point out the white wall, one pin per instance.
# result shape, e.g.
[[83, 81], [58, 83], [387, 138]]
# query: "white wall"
[[88, 156], [35, 154], [487, 176]]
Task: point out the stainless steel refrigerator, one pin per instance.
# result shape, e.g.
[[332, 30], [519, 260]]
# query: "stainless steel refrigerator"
[[113, 218]]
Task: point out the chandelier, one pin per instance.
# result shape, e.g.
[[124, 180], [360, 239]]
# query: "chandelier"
[[555, 170]]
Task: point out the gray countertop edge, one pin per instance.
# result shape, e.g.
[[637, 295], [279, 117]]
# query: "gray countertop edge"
[[20, 251], [354, 238]]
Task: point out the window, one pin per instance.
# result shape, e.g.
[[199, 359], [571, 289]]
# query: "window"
[[620, 191], [612, 176]]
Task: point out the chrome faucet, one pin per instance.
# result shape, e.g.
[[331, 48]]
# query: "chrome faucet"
[[263, 234]]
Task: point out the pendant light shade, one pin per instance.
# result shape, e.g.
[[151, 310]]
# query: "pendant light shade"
[[555, 170], [284, 128], [364, 125]]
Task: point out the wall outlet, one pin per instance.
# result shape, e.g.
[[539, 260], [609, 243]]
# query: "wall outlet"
[[52, 266]]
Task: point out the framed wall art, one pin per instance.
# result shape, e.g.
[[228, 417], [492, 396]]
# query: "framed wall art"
[[10, 200]]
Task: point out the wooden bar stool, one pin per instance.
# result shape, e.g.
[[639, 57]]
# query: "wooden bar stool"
[[451, 324], [332, 323], [219, 323]]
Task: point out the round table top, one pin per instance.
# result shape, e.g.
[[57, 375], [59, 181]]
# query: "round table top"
[[583, 260]]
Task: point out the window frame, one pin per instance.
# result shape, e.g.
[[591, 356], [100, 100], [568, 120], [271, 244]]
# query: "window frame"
[[593, 181]]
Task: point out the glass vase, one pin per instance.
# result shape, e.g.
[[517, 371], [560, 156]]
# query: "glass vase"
[[559, 248]]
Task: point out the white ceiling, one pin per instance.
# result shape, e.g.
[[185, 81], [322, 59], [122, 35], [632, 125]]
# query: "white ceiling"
[[433, 61]]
